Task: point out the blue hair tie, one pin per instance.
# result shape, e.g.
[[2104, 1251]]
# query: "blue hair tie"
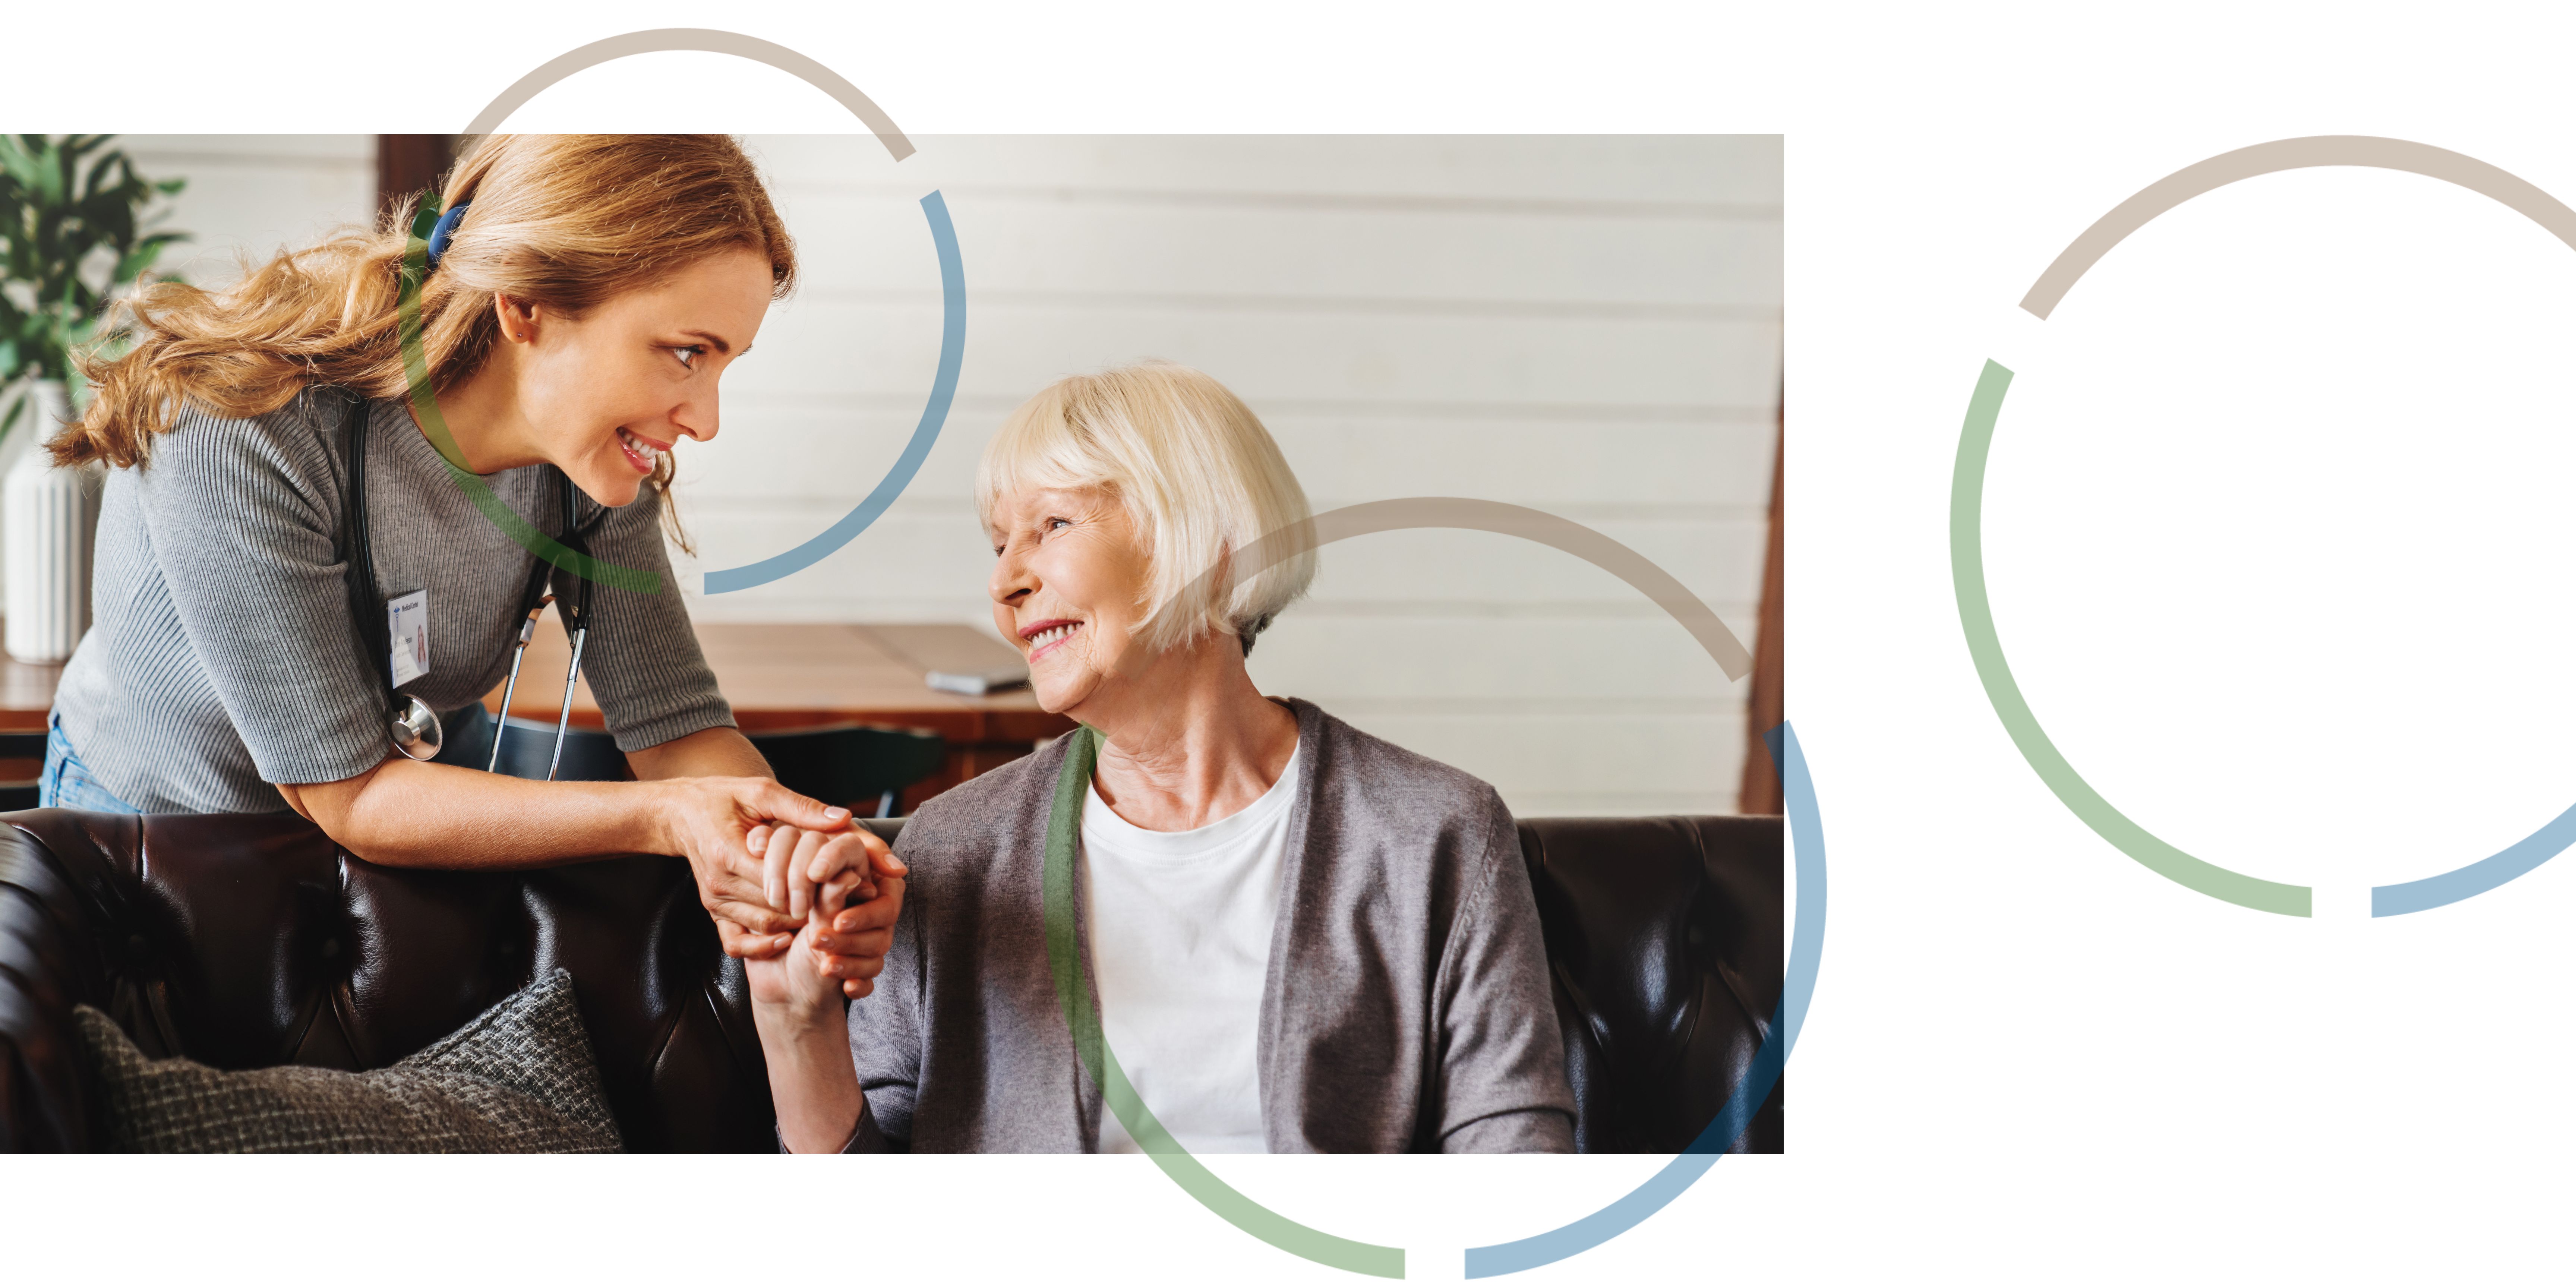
[[445, 229]]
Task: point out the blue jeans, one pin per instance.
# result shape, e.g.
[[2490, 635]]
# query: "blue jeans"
[[66, 782]]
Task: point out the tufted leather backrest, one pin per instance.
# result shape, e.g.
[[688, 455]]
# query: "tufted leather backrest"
[[1664, 941], [245, 941]]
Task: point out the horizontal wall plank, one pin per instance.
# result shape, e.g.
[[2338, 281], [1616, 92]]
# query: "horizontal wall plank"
[[1576, 467], [313, 150], [1014, 244], [1600, 758], [916, 551], [1646, 667], [1632, 665], [1541, 804], [1706, 554], [1606, 175], [827, 348]]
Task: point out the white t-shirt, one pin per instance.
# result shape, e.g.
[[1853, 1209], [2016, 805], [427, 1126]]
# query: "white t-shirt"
[[1180, 944]]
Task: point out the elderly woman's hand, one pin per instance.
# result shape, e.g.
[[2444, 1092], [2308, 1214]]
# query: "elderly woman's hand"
[[714, 823], [846, 888], [852, 941], [791, 982], [797, 995]]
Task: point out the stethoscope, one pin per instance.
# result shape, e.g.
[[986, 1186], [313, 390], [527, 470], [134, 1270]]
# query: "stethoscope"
[[416, 730]]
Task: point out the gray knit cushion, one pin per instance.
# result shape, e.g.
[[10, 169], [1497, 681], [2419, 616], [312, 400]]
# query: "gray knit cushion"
[[518, 1079]]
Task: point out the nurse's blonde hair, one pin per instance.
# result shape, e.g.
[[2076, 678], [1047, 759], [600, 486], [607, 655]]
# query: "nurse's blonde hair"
[[564, 221], [1196, 472]]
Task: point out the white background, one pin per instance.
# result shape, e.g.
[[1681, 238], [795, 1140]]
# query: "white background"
[[2278, 553]]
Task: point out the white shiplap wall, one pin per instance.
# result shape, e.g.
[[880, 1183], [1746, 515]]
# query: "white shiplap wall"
[[1589, 326]]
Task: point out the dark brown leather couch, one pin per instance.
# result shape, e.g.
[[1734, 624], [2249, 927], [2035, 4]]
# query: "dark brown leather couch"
[[247, 941]]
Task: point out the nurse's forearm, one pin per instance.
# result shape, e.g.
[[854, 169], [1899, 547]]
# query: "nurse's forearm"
[[407, 814], [403, 813]]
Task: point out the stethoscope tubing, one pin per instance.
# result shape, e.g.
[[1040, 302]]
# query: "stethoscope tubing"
[[563, 718], [374, 649], [518, 654]]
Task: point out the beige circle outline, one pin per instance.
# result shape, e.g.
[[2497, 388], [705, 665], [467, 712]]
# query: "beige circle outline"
[[703, 40], [1476, 515], [2365, 150]]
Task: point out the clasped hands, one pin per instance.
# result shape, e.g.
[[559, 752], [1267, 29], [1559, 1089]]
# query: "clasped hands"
[[842, 891], [787, 879]]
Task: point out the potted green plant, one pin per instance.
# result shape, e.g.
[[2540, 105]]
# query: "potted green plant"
[[74, 236]]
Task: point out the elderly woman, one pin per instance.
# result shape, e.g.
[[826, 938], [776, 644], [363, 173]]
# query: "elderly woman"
[[1208, 915]]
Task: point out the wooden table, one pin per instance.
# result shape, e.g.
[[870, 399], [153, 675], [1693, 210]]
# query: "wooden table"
[[777, 677], [790, 675], [26, 694]]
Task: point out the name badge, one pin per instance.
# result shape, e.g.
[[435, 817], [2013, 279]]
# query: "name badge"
[[407, 625]]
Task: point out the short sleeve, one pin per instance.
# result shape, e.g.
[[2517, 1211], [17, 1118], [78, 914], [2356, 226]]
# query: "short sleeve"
[[242, 517], [642, 659]]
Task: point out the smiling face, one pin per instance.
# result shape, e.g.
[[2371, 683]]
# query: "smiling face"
[[605, 394], [1069, 576]]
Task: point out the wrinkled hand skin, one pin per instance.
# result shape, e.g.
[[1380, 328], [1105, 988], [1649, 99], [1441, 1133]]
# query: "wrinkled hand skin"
[[715, 823], [843, 890]]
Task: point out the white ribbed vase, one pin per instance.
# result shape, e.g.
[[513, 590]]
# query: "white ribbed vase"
[[52, 516]]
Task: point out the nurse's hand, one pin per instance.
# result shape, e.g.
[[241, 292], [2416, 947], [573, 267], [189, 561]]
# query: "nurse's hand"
[[853, 943], [709, 821]]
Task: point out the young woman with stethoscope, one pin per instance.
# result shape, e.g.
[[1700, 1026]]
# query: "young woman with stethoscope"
[[298, 605]]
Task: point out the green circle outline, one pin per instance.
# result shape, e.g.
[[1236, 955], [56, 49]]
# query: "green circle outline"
[[424, 408], [1118, 1095], [1977, 620], [1063, 952]]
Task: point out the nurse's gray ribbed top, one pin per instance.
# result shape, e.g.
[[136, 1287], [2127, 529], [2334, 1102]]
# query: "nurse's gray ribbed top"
[[221, 657]]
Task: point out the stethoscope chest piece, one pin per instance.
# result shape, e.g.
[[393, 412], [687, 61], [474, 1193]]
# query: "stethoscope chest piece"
[[417, 734], [415, 728]]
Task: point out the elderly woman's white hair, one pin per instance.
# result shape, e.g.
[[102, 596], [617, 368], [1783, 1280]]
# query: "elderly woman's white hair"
[[1196, 471]]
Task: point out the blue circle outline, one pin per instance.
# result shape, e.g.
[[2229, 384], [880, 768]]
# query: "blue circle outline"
[[1788, 1016], [2404, 156], [1798, 791], [952, 277], [943, 392]]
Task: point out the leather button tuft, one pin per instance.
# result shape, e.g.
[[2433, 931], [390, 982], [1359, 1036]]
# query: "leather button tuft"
[[137, 945], [330, 949]]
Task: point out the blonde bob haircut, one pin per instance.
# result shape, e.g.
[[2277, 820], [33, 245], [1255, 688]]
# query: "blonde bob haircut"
[[1197, 473]]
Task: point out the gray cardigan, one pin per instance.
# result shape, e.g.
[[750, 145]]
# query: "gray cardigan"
[[1406, 1008]]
